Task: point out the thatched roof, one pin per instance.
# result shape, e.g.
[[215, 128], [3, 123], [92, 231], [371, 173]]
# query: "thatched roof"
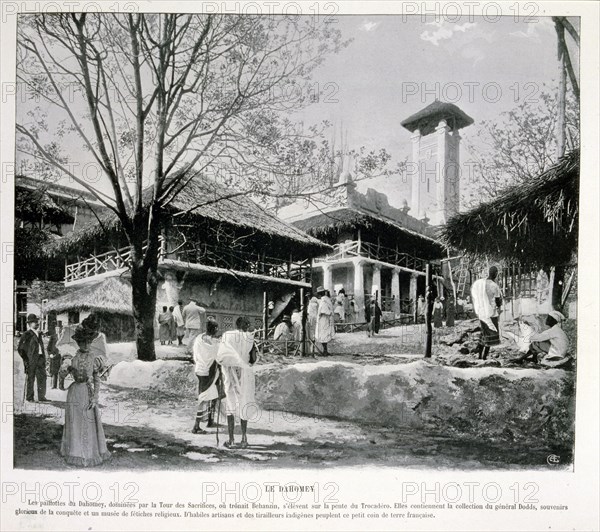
[[34, 204], [427, 119], [322, 225], [111, 295], [84, 238], [207, 199], [203, 199], [534, 223]]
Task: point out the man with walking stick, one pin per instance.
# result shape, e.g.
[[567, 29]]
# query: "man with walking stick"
[[237, 354], [31, 349]]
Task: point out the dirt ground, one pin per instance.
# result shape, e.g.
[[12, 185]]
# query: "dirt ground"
[[150, 430]]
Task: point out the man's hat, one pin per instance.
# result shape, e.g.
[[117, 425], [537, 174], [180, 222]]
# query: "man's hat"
[[32, 318], [320, 290], [557, 315], [286, 318]]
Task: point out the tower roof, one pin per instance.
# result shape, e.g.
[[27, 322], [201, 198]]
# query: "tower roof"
[[427, 119]]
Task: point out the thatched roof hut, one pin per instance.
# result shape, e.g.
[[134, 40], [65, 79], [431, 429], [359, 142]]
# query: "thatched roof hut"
[[204, 201], [534, 223], [113, 295]]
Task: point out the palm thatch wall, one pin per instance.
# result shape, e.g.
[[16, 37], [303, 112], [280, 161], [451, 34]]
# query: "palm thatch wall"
[[534, 223]]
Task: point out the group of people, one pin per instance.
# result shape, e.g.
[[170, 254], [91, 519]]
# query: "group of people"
[[83, 441], [181, 322], [56, 357], [552, 344], [223, 367]]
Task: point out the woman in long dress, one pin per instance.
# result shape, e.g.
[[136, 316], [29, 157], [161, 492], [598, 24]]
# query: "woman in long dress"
[[83, 441]]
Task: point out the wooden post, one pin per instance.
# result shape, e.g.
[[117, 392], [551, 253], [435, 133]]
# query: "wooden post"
[[429, 309], [303, 329], [562, 89], [265, 319]]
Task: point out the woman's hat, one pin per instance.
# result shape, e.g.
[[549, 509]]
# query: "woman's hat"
[[91, 323], [83, 335]]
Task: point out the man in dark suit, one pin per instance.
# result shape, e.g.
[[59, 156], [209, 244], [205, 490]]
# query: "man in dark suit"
[[31, 349]]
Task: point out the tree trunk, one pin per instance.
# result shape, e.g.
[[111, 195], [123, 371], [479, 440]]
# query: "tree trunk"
[[144, 304]]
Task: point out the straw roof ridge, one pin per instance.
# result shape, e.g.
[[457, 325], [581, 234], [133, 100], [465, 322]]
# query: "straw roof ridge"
[[110, 295], [31, 204], [203, 199], [215, 202], [84, 237], [535, 222], [351, 217]]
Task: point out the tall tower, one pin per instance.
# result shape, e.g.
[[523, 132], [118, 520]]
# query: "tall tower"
[[435, 184]]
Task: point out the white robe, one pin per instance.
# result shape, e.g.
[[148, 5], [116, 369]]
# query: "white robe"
[[325, 324], [205, 351], [238, 377], [178, 317], [484, 292]]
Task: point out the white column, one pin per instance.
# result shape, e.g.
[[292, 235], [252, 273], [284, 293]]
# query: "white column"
[[413, 290], [376, 284], [328, 278], [453, 176], [415, 193], [396, 290], [359, 290], [440, 179]]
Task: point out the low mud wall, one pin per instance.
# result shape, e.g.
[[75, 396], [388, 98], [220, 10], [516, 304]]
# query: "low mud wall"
[[492, 403], [499, 404]]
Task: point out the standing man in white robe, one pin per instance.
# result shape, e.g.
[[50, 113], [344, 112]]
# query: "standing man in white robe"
[[487, 301], [207, 371], [234, 356], [325, 321]]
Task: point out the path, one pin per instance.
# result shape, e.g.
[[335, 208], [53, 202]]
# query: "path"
[[150, 430]]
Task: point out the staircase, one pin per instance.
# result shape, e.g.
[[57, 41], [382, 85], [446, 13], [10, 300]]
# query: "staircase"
[[463, 278]]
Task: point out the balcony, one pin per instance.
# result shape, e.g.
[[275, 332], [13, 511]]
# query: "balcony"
[[202, 257], [355, 248], [98, 267]]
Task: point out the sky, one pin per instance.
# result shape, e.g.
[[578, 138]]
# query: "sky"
[[393, 68], [397, 65]]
